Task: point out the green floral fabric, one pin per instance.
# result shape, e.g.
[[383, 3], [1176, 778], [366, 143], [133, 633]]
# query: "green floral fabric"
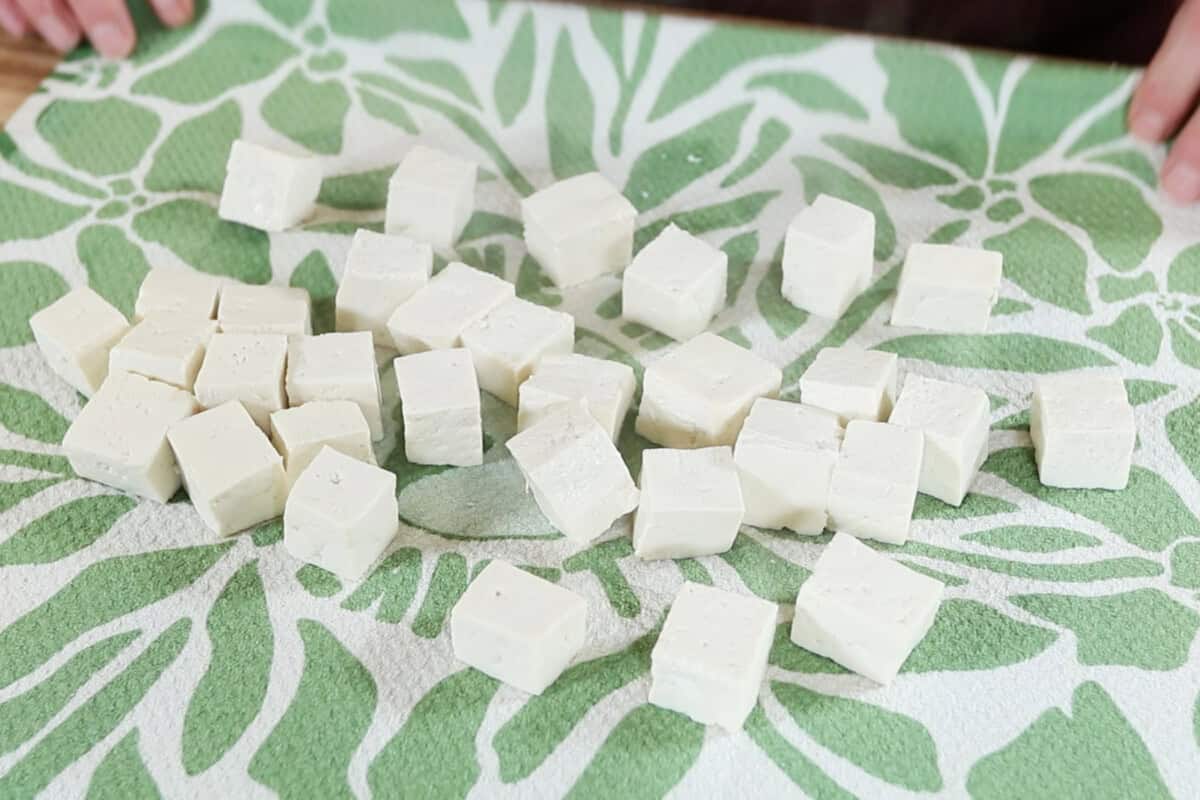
[[140, 657]]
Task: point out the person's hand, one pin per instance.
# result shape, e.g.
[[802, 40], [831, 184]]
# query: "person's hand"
[[1165, 103], [106, 23]]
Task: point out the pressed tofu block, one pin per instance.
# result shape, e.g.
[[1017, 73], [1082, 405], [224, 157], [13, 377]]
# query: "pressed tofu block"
[[177, 291], [341, 514], [944, 287], [604, 387], [864, 610], [431, 196], [165, 347], [699, 394], [691, 503], [1083, 430], [954, 419], [233, 475], [575, 473], [785, 456], [874, 484], [120, 436], [852, 383], [675, 285], [267, 189], [511, 339], [336, 366], [381, 273], [439, 398], [518, 628], [264, 309], [579, 229], [828, 256], [436, 315], [248, 368], [75, 334], [300, 433], [711, 656]]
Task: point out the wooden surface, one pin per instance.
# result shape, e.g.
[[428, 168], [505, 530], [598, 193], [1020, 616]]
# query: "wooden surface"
[[23, 65]]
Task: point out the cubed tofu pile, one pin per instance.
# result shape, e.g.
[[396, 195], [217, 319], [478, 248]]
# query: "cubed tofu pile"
[[222, 388]]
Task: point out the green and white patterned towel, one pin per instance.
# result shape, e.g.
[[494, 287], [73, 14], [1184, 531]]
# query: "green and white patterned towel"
[[139, 656]]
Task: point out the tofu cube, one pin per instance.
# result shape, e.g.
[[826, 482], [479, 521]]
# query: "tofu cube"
[[675, 285], [575, 473], [579, 229], [75, 334], [180, 292], [1083, 430], [874, 484], [165, 347], [264, 309], [711, 656], [604, 387], [852, 383], [300, 433], [381, 273], [785, 456], [336, 366], [954, 420], [947, 288], [691, 503], [698, 395], [431, 196], [267, 189], [232, 474], [248, 368], [511, 339], [828, 256], [439, 398], [341, 514], [864, 610], [120, 437], [518, 628], [436, 315]]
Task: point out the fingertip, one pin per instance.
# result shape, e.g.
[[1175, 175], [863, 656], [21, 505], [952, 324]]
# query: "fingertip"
[[1181, 182], [112, 39], [174, 13], [1148, 124], [61, 33]]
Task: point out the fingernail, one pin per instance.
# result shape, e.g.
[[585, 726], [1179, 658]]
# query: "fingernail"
[[12, 23], [1149, 125], [60, 35], [1182, 183], [111, 40], [174, 12]]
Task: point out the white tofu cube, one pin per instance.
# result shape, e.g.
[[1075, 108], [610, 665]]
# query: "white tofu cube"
[[300, 433], [954, 420], [518, 628], [341, 514], [439, 398], [336, 366], [947, 288], [828, 256], [511, 339], [852, 383], [165, 347], [248, 368], [874, 484], [181, 292], [232, 474], [711, 656], [575, 473], [120, 436], [864, 610], [264, 309], [604, 387], [381, 273], [1083, 430], [267, 189], [579, 229], [431, 196], [75, 334], [691, 503], [699, 394], [785, 456], [675, 285], [436, 315]]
